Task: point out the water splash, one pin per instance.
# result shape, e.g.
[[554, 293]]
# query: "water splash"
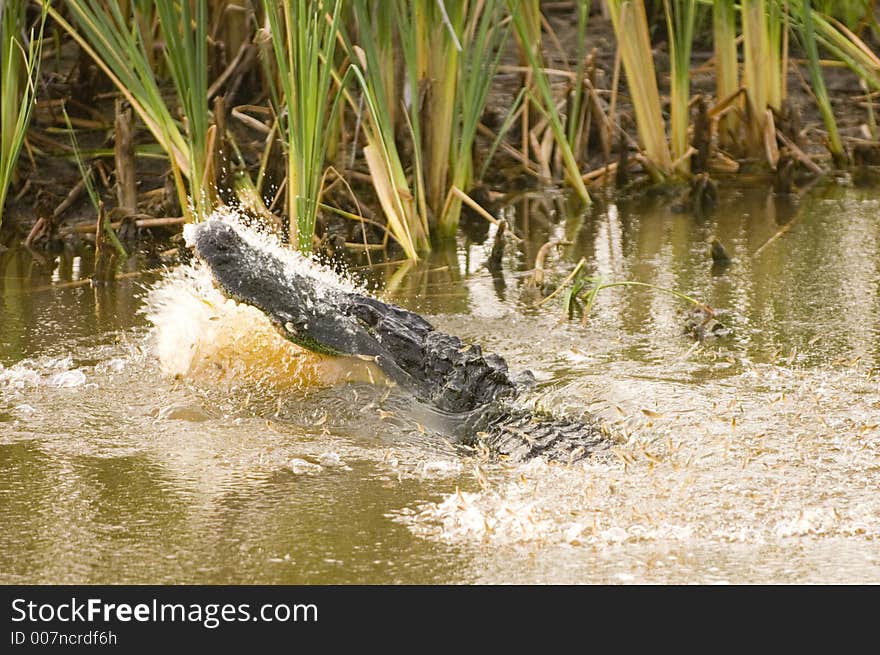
[[52, 371], [200, 334], [294, 261], [770, 455]]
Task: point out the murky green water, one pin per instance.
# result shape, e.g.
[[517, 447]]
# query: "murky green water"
[[750, 458]]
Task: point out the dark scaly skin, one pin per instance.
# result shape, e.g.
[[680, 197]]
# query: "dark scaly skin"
[[474, 390]]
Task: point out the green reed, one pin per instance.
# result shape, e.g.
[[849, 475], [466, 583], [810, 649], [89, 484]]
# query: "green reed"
[[633, 41], [680, 15], [444, 21], [115, 40], [402, 205], [303, 40], [726, 65], [762, 69], [574, 126], [19, 68], [89, 183], [808, 37], [848, 47], [482, 42], [184, 28], [546, 103]]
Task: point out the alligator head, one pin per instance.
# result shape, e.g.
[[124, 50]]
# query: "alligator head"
[[305, 310], [290, 301]]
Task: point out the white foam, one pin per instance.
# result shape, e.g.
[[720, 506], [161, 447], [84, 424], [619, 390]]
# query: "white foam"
[[200, 333], [304, 467], [115, 365], [19, 376], [68, 379], [331, 459], [809, 521], [328, 279], [184, 308], [440, 468]]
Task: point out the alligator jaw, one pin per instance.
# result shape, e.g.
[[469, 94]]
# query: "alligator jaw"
[[248, 275], [309, 312]]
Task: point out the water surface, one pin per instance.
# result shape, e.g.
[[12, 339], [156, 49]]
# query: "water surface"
[[754, 457]]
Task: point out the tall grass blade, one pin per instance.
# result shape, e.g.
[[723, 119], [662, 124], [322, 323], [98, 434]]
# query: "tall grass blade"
[[446, 21], [19, 69], [184, 29], [404, 210], [573, 126], [547, 104], [808, 36], [412, 28], [117, 45], [848, 47], [762, 26], [409, 228], [303, 42], [776, 28], [482, 44], [631, 27], [726, 65], [89, 183], [680, 15]]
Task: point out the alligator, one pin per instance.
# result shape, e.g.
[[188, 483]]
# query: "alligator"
[[474, 391]]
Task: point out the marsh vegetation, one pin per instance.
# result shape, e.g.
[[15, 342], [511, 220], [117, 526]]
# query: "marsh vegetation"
[[358, 127]]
